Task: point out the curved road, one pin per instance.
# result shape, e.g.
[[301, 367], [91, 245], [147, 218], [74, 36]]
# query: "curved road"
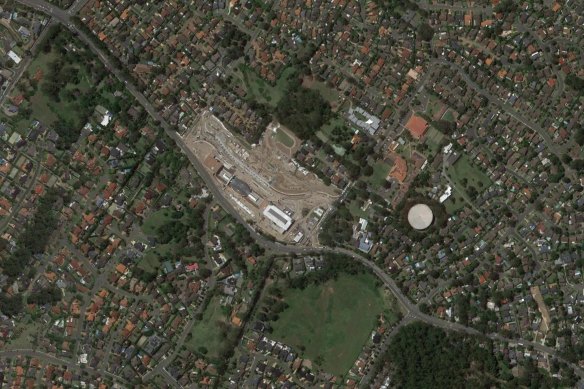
[[410, 309]]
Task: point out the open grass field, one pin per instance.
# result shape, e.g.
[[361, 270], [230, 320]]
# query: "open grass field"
[[355, 209], [207, 333], [155, 220], [150, 263], [455, 203], [433, 139], [449, 116], [340, 151], [434, 106], [331, 321], [152, 258], [342, 134], [329, 94], [23, 331], [328, 127], [43, 108], [464, 171], [284, 138], [320, 135], [380, 171]]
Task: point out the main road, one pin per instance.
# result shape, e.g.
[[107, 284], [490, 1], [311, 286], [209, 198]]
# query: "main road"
[[409, 309]]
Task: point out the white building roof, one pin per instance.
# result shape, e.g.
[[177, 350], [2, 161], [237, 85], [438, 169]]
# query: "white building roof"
[[278, 217], [13, 56]]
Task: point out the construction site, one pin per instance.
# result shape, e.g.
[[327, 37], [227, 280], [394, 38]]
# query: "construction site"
[[263, 182]]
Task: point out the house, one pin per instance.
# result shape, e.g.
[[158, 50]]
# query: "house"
[[104, 116]]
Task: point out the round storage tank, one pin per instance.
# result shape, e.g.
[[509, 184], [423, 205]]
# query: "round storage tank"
[[420, 217]]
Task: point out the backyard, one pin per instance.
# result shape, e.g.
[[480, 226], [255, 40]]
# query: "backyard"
[[332, 322]]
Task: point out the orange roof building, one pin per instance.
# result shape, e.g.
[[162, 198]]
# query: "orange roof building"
[[399, 170], [417, 126]]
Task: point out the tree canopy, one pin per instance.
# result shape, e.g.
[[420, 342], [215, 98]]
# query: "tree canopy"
[[423, 356], [575, 82], [303, 111], [426, 32]]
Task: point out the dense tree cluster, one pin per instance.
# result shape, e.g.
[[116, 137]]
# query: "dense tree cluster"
[[423, 356], [445, 126], [32, 241], [185, 229], [303, 111], [337, 228], [506, 6], [36, 234], [59, 76], [396, 7], [426, 32], [234, 246], [579, 136], [578, 165], [61, 84], [575, 82], [234, 41], [11, 305], [272, 305], [48, 295]]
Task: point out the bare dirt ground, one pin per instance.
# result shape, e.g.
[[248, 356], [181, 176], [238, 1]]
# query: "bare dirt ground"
[[268, 169]]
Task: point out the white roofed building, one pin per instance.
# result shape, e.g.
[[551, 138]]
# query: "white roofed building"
[[278, 217]]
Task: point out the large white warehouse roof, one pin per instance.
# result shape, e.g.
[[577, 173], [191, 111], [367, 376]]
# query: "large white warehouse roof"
[[278, 217]]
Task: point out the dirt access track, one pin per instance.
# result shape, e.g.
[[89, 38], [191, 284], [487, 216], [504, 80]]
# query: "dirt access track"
[[269, 170]]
